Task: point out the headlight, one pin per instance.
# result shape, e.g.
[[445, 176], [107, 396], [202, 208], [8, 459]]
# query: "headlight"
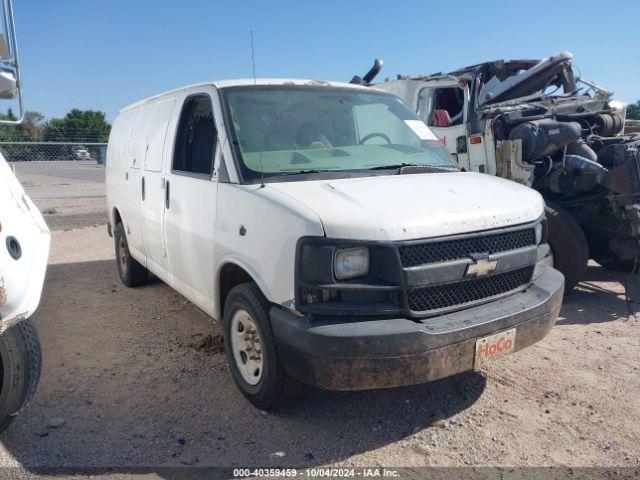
[[351, 262]]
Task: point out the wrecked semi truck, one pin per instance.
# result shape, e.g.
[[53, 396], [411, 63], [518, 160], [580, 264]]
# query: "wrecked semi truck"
[[24, 251], [537, 123]]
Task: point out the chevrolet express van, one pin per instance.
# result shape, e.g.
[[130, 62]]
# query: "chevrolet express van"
[[330, 232]]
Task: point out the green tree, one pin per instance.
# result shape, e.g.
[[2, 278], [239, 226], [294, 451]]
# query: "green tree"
[[9, 115], [78, 126], [33, 119], [33, 126], [29, 130], [633, 111]]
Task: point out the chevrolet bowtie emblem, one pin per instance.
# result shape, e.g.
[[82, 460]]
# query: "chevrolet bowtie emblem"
[[481, 266]]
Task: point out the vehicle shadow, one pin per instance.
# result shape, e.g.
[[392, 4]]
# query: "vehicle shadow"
[[603, 296], [126, 372]]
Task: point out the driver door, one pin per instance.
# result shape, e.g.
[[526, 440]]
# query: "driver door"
[[448, 124]]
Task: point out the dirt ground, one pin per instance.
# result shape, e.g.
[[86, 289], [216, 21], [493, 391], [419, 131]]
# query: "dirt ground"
[[130, 373]]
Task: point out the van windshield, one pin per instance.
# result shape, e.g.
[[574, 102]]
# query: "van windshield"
[[286, 129]]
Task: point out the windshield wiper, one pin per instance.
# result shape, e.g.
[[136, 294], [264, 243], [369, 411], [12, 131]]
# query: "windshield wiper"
[[302, 172], [400, 166], [395, 166]]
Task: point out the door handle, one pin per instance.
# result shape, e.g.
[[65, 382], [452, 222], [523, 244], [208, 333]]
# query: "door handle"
[[167, 196], [143, 189]]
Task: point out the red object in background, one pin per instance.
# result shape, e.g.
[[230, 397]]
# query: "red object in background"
[[441, 118]]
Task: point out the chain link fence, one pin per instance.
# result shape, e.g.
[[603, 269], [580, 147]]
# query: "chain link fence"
[[52, 142], [632, 126], [50, 151]]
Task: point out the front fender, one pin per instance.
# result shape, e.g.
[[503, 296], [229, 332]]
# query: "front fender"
[[234, 259]]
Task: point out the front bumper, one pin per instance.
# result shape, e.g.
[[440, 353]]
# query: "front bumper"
[[360, 354]]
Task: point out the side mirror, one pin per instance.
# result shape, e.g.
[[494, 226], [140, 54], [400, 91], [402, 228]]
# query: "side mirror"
[[6, 45], [10, 86]]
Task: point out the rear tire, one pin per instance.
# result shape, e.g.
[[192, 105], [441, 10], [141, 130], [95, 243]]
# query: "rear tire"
[[130, 271], [20, 367], [568, 245], [260, 376]]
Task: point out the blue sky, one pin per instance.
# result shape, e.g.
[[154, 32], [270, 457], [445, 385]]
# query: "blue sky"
[[106, 54]]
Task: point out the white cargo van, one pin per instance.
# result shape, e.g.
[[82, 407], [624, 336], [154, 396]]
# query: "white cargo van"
[[331, 233]]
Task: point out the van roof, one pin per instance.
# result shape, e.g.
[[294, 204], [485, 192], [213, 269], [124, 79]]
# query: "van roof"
[[249, 81]]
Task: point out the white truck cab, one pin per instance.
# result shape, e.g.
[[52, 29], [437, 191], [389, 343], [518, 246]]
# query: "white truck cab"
[[328, 229], [443, 103]]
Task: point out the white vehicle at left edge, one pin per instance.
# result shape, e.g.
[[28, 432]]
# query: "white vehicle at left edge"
[[24, 251]]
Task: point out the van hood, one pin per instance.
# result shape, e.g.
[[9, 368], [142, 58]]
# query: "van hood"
[[404, 207]]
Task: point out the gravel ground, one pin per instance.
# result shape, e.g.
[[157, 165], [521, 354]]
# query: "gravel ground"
[[136, 382]]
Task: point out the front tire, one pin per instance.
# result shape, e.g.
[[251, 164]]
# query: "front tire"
[[130, 271], [568, 245], [20, 367], [251, 352]]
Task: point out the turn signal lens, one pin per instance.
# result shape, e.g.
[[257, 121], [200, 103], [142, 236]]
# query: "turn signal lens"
[[539, 231]]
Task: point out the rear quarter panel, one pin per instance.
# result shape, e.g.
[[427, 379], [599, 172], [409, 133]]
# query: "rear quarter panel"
[[117, 163]]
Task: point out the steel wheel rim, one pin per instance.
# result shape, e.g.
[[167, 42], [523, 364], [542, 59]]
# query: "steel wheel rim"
[[246, 346], [122, 255]]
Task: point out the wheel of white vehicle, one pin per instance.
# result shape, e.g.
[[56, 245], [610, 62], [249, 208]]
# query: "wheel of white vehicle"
[[20, 366], [569, 248], [131, 273], [246, 346], [251, 351]]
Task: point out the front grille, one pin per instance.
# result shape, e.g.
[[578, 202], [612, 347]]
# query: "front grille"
[[433, 252], [466, 291]]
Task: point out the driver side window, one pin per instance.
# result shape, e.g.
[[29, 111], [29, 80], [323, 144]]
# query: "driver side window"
[[373, 119], [196, 137], [447, 108]]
